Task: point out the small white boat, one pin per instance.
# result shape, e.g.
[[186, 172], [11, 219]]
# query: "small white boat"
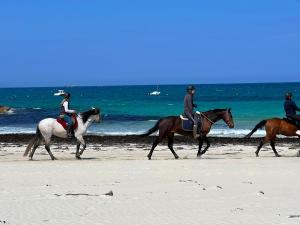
[[157, 92], [59, 93]]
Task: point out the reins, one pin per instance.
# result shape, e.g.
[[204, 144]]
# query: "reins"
[[209, 120]]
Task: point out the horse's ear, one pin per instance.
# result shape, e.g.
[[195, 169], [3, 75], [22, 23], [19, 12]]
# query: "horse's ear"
[[95, 110], [229, 110]]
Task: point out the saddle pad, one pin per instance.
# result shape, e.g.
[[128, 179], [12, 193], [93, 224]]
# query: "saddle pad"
[[291, 121], [187, 125], [62, 122]]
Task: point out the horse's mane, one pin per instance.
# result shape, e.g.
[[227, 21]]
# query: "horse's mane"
[[215, 111], [85, 115]]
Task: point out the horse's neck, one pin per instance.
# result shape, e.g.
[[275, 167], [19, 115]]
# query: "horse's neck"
[[84, 125], [214, 117]]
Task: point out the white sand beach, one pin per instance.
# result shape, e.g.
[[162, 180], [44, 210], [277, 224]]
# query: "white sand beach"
[[228, 185]]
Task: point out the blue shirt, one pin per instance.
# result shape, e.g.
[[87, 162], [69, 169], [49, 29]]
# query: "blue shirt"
[[290, 108]]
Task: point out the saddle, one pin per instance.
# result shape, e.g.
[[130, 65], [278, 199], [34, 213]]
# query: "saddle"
[[292, 121], [187, 124], [64, 123]]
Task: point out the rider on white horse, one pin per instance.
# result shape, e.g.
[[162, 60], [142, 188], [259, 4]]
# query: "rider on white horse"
[[67, 114], [51, 127]]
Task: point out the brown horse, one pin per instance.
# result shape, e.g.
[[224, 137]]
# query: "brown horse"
[[173, 124], [273, 127]]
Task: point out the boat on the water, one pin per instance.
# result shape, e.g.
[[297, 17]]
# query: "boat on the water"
[[154, 93], [59, 93]]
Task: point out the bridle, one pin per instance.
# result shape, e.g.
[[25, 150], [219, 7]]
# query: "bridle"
[[89, 119], [212, 122]]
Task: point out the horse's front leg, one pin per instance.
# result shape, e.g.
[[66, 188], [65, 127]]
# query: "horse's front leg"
[[77, 149], [200, 147], [82, 150], [207, 145], [80, 142]]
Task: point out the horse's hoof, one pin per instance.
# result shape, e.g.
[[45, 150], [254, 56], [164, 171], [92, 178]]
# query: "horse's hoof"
[[278, 155], [256, 154], [149, 157], [78, 157], [177, 157], [54, 158]]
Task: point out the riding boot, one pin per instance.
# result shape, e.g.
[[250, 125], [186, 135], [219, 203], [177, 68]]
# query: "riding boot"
[[195, 132], [70, 132]]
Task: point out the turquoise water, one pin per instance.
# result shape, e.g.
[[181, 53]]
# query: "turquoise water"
[[130, 109]]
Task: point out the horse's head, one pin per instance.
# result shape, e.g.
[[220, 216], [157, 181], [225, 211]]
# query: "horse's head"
[[94, 115], [227, 117]]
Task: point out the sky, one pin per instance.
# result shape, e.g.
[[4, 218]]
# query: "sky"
[[58, 43]]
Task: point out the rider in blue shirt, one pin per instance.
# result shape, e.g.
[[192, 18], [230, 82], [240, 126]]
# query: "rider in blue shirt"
[[291, 109]]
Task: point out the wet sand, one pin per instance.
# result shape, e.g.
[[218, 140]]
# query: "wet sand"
[[108, 140]]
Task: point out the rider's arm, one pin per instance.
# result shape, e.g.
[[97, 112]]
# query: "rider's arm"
[[188, 102], [66, 107]]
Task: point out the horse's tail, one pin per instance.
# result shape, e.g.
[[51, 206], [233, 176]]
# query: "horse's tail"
[[258, 126], [34, 141], [152, 130]]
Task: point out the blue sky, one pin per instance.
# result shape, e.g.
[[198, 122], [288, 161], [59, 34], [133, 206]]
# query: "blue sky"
[[56, 43]]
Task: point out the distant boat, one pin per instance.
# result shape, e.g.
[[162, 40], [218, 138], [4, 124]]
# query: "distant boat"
[[59, 93], [155, 93]]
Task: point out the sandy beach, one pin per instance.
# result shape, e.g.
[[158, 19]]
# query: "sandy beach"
[[228, 185], [118, 77]]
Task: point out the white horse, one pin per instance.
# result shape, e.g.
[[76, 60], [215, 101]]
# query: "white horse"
[[49, 127]]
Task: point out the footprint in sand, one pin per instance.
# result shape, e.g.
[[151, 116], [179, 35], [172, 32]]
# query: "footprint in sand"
[[237, 209], [294, 216], [247, 182], [204, 188]]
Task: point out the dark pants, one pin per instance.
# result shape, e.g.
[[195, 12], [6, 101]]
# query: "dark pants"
[[294, 117], [193, 117]]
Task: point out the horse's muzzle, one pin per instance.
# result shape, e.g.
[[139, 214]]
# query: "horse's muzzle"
[[99, 120]]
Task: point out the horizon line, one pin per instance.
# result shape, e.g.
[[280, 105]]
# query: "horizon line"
[[129, 85]]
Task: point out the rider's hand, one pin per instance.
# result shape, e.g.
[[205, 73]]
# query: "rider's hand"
[[195, 106]]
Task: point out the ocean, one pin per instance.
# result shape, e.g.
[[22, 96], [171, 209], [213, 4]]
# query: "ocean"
[[131, 110]]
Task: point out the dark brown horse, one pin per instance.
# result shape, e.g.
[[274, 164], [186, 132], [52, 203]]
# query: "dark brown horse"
[[173, 124], [273, 127]]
